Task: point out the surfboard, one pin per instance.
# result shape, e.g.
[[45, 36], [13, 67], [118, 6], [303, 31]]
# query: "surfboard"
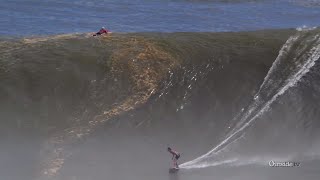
[[173, 170]]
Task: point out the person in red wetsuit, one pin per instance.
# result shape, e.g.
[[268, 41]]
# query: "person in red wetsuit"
[[175, 157], [103, 30]]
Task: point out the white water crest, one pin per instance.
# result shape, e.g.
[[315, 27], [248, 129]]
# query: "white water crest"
[[306, 51]]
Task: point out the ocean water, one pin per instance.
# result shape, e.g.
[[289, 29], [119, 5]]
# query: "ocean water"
[[32, 17], [79, 107]]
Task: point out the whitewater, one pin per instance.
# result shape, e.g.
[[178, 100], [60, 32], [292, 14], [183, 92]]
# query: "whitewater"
[[259, 106]]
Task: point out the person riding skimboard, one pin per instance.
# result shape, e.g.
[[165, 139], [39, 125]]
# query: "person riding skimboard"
[[175, 157]]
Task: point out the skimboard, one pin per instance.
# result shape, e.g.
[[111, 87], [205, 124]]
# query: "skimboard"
[[173, 170]]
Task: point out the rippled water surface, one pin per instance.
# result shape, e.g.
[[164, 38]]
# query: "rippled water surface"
[[32, 17]]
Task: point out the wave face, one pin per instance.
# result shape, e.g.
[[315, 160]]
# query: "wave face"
[[298, 55], [233, 91]]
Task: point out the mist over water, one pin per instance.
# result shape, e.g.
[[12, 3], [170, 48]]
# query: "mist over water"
[[303, 50]]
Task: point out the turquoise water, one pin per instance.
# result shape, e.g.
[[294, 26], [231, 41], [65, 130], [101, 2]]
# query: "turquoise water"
[[32, 17]]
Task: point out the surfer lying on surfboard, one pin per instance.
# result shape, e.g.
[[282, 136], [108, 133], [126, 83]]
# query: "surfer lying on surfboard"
[[102, 31], [175, 157]]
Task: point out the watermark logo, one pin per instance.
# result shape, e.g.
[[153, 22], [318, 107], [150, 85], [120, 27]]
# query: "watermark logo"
[[283, 164]]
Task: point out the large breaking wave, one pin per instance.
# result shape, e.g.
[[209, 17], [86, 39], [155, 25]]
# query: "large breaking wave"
[[297, 56], [212, 86]]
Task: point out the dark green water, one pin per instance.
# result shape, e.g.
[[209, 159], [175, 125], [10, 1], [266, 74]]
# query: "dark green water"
[[74, 106]]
